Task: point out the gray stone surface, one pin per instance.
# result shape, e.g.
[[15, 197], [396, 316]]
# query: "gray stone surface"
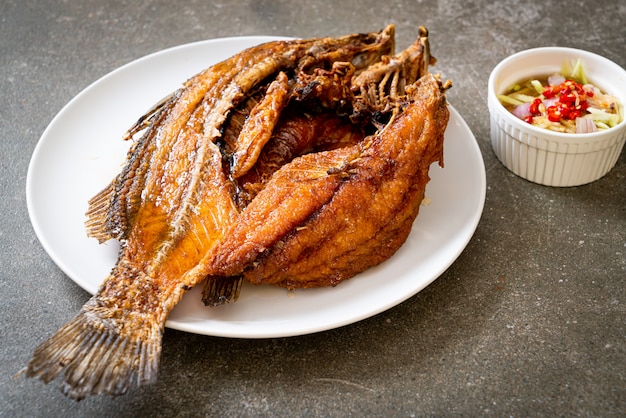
[[530, 320]]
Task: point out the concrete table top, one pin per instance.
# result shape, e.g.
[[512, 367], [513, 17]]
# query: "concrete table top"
[[530, 320]]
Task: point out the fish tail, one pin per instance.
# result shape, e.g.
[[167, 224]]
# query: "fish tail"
[[96, 357]]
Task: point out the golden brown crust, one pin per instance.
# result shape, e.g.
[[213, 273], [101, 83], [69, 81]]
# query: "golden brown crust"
[[330, 215]]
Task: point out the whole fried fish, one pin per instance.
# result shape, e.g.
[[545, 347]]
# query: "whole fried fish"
[[295, 163]]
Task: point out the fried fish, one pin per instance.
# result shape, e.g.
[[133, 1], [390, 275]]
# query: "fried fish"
[[296, 163]]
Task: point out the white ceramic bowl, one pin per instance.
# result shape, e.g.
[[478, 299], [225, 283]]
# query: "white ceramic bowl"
[[543, 156]]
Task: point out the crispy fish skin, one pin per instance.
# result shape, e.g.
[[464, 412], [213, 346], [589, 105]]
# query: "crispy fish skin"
[[327, 216], [258, 128], [209, 96], [115, 340], [169, 208]]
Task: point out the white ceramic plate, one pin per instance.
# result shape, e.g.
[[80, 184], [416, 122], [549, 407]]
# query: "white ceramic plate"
[[81, 151]]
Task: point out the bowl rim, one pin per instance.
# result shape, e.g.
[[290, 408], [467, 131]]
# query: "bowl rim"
[[574, 138]]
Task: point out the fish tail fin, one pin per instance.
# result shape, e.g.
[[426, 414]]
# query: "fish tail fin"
[[96, 357], [97, 214], [221, 289]]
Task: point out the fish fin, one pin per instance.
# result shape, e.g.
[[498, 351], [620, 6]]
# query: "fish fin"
[[153, 113], [219, 290], [109, 211], [98, 214], [95, 357]]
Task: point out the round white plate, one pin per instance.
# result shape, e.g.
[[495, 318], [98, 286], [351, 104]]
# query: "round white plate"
[[81, 151]]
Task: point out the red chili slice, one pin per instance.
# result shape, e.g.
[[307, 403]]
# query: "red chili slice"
[[549, 92], [554, 114], [534, 107]]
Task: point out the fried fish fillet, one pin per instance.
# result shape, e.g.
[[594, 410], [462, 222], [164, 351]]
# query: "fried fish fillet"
[[327, 216]]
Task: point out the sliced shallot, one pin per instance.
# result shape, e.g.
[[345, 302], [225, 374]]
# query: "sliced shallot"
[[585, 126]]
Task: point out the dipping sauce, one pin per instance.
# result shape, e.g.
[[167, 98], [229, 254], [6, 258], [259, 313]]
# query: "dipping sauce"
[[563, 102]]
